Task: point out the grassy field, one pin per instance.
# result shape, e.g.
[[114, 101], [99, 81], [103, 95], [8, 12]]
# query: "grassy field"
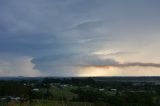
[[47, 103], [62, 94]]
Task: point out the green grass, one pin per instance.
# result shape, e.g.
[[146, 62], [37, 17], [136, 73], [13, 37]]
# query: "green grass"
[[47, 103], [61, 93]]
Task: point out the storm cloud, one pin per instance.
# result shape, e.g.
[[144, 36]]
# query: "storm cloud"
[[56, 37]]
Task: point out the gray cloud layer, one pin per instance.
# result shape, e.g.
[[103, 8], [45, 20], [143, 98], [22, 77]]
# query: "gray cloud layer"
[[113, 63]]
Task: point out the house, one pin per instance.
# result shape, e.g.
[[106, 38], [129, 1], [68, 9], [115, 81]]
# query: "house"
[[101, 89], [113, 89], [35, 89]]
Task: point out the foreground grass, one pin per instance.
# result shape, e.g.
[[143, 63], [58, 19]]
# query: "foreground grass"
[[46, 103], [61, 94]]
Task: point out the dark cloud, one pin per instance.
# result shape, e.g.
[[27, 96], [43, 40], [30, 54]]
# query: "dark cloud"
[[156, 65], [114, 63]]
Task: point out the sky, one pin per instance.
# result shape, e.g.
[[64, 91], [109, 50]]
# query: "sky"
[[79, 38]]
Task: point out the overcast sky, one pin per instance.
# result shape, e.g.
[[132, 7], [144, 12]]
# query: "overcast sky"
[[79, 37]]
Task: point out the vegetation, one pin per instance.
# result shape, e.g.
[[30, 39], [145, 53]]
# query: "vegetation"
[[79, 92]]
